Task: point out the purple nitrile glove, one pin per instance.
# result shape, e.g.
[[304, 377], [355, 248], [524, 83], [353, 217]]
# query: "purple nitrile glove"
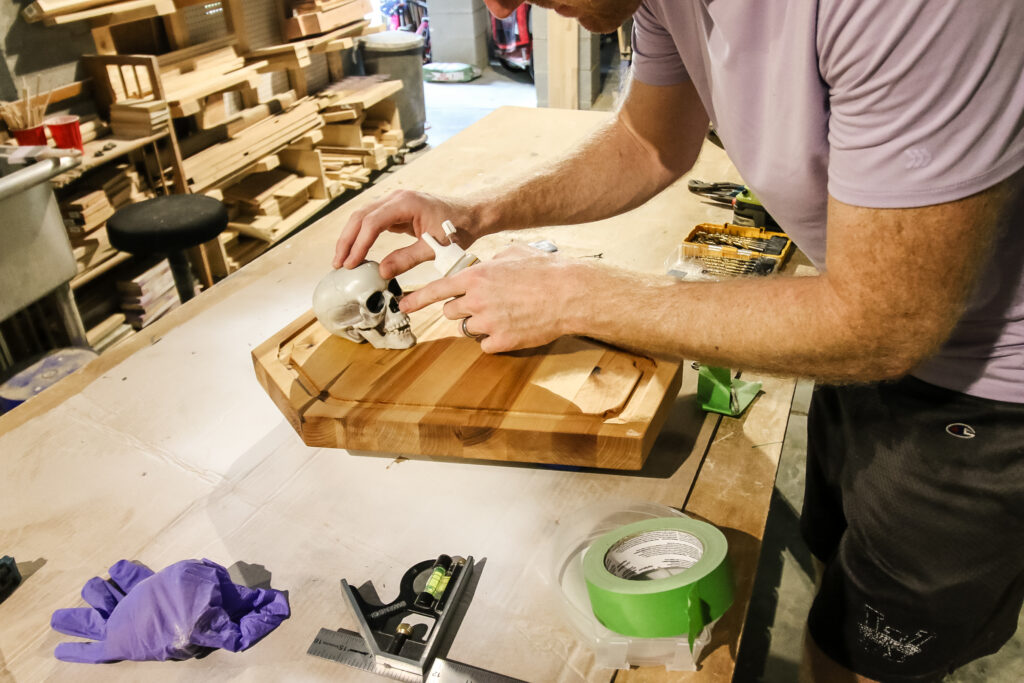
[[172, 614]]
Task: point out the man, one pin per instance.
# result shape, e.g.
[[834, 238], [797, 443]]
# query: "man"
[[888, 140]]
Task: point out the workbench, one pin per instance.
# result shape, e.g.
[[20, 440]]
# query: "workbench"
[[167, 448]]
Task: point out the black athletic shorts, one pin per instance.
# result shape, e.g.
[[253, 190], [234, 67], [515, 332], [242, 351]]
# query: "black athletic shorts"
[[915, 502]]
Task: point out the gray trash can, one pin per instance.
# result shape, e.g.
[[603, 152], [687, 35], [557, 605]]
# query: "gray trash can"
[[400, 55]]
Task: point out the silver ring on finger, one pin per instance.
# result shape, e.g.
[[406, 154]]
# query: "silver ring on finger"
[[469, 334]]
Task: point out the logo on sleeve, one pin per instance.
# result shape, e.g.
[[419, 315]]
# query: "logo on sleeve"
[[960, 430]]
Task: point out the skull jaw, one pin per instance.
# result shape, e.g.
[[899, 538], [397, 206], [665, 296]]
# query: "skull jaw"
[[397, 339]]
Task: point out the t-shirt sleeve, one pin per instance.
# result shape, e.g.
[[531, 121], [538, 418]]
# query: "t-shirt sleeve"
[[926, 98], [656, 59]]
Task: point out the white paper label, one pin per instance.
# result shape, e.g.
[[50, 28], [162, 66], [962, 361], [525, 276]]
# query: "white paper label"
[[653, 554]]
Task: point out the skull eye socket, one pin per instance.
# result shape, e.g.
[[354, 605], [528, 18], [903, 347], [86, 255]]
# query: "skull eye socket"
[[394, 287], [375, 304]]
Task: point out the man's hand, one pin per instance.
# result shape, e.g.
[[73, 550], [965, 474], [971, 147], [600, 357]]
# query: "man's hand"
[[404, 211], [652, 141], [511, 299]]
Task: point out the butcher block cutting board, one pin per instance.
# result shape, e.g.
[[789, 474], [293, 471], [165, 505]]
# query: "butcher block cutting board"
[[572, 402]]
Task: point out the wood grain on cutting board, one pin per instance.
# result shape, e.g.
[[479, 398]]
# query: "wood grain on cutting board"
[[572, 402]]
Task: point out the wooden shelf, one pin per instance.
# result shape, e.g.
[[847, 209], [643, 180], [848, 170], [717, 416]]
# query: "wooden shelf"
[[190, 101], [90, 161], [223, 263], [99, 269], [117, 13], [300, 216], [219, 163]]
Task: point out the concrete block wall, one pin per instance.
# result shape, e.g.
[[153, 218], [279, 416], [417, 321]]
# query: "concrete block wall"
[[458, 31], [590, 68], [589, 83], [51, 53], [539, 22]]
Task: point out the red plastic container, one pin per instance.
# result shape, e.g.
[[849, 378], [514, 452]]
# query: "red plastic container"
[[66, 132], [31, 136]]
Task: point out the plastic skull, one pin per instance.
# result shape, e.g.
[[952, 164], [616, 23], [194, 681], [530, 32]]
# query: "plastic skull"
[[360, 305]]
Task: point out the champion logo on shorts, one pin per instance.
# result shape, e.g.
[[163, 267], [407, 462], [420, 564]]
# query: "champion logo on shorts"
[[893, 644], [960, 430]]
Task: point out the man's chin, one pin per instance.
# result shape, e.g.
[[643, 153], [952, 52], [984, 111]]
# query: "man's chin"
[[599, 24]]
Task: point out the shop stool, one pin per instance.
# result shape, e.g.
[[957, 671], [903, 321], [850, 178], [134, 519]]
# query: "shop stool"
[[168, 226]]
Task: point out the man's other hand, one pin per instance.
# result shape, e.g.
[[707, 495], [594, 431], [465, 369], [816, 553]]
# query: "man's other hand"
[[518, 300], [403, 211]]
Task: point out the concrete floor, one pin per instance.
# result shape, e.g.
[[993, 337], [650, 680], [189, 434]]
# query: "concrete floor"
[[785, 585]]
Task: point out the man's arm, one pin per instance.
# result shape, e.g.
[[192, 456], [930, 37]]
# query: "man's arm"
[[895, 285], [653, 139]]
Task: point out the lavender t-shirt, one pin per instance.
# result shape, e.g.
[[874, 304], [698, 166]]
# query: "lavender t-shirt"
[[881, 103]]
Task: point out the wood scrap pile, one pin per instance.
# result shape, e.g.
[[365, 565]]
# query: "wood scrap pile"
[[236, 250], [278, 194], [214, 113], [362, 133], [259, 203], [138, 118], [104, 322], [94, 201], [313, 17], [216, 162], [190, 75], [148, 296]]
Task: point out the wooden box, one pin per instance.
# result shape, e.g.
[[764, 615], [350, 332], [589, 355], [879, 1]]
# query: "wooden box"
[[573, 402]]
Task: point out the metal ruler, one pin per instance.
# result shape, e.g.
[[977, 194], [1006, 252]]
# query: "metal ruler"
[[348, 648]]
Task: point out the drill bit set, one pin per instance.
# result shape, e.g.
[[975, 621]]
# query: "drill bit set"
[[712, 251]]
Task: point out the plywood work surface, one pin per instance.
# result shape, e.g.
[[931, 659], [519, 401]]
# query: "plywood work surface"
[[572, 402], [168, 448]]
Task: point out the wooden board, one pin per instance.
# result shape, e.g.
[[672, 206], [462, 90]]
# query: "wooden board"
[[304, 25], [573, 402]]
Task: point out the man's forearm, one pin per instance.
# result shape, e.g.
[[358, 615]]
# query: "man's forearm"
[[874, 315], [590, 184], [653, 139], [784, 325]]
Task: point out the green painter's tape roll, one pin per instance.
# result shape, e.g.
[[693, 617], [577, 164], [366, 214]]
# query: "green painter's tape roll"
[[617, 565]]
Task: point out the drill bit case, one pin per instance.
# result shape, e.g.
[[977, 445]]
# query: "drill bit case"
[[713, 251]]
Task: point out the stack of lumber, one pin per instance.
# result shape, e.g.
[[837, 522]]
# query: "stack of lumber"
[[86, 212], [104, 323], [237, 250], [190, 75], [357, 93], [97, 197], [276, 195], [108, 332], [138, 118], [214, 113], [148, 296], [362, 133], [313, 17], [221, 160], [262, 200]]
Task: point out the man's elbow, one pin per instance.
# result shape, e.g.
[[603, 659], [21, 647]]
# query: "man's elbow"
[[897, 353]]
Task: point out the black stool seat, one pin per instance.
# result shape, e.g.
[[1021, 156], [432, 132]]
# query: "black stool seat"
[[166, 224], [169, 225]]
